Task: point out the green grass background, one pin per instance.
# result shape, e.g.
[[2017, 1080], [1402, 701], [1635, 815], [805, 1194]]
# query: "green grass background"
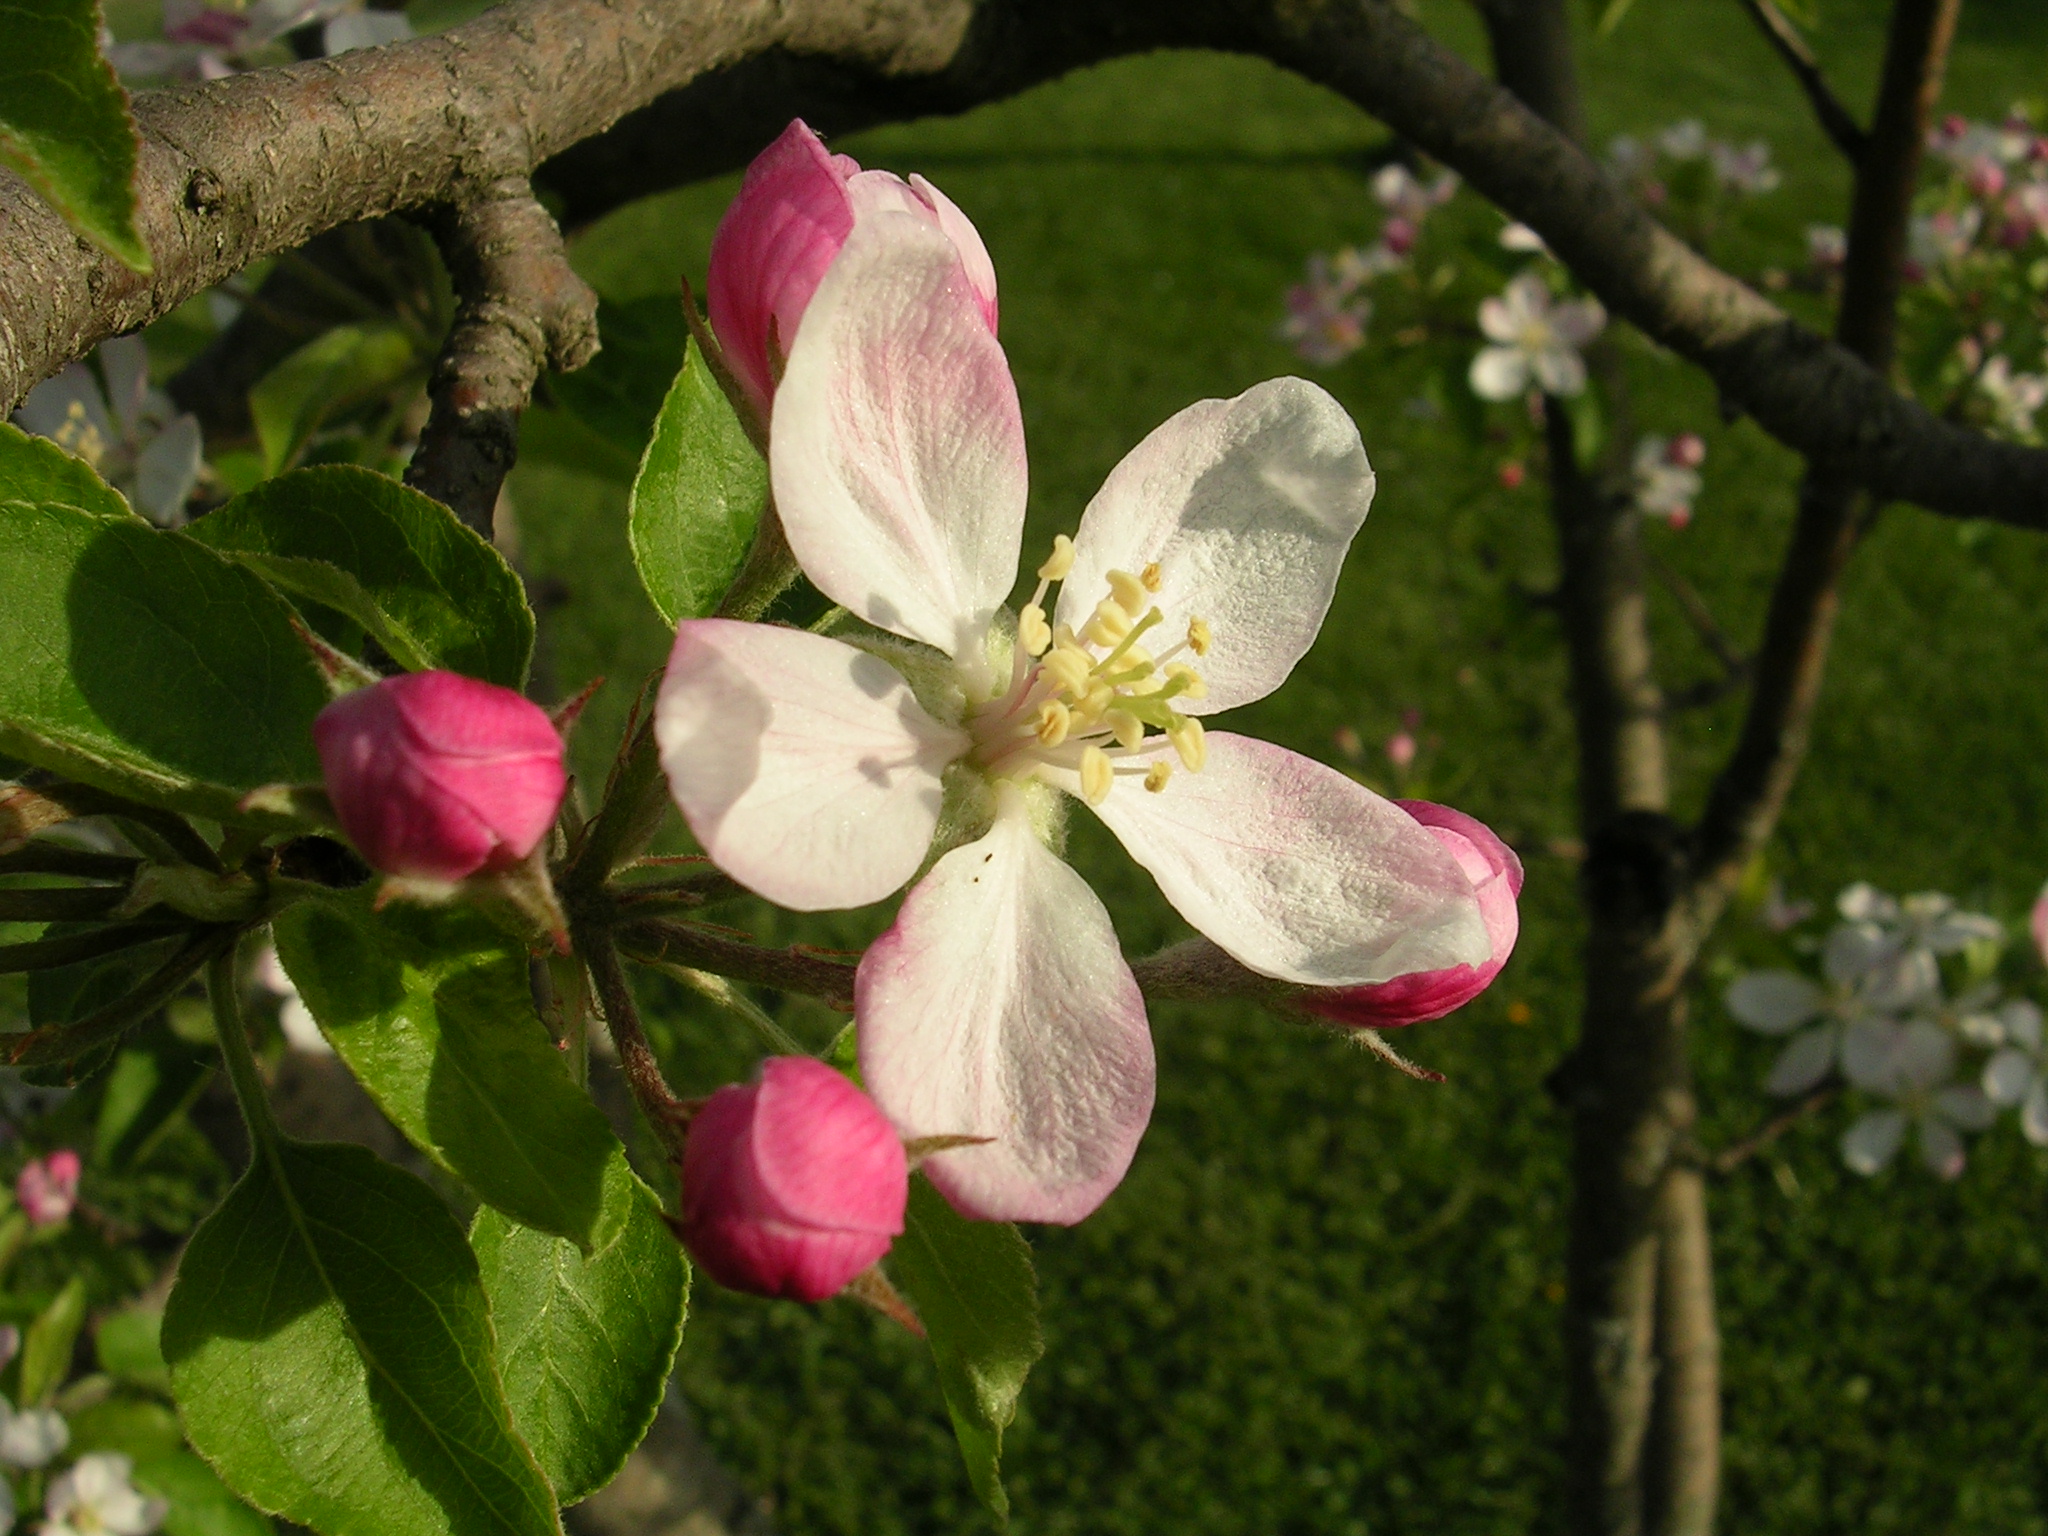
[[1327, 1298]]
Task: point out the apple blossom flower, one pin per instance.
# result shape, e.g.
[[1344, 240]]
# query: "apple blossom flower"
[[1401, 750], [1409, 201], [1667, 476], [2015, 398], [1917, 1063], [793, 1183], [129, 432], [47, 1187], [1747, 169], [31, 1437], [96, 1498], [817, 771], [1325, 322], [207, 42], [1534, 339], [795, 209], [1496, 876], [1827, 247], [1843, 1023], [1683, 140], [1934, 240], [2013, 1077], [438, 777], [1903, 936]]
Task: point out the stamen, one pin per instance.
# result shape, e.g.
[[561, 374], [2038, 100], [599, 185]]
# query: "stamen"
[[1151, 578], [1185, 732], [1070, 667], [1033, 633], [1157, 775], [1096, 775], [1198, 636], [1054, 720], [1061, 562], [1126, 727], [1130, 639], [1191, 682], [1110, 622], [1128, 591]]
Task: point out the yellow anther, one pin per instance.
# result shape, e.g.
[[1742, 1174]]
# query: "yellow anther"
[[1157, 775], [1110, 622], [1054, 719], [1060, 562], [1070, 666], [1091, 708], [1192, 685], [1126, 727], [1151, 578], [1128, 591], [1096, 775], [1198, 636], [1186, 735], [1033, 633]]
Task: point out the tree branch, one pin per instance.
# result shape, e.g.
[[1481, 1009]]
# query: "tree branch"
[[1835, 121], [520, 309], [1749, 794], [250, 166]]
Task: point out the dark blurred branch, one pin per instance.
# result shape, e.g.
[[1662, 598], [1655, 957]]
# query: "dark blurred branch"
[[1835, 121], [520, 310]]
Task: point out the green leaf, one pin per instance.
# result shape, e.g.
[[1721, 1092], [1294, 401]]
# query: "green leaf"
[[155, 1078], [200, 1503], [36, 470], [698, 497], [148, 665], [585, 1344], [349, 365], [129, 1345], [133, 1426], [64, 121], [330, 1347], [973, 1287], [46, 1346], [432, 592], [432, 1010]]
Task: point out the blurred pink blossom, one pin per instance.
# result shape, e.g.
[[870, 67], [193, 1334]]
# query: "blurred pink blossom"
[[48, 1187]]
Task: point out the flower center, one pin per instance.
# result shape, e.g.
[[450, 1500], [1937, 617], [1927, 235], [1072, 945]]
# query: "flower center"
[[1089, 701], [80, 436]]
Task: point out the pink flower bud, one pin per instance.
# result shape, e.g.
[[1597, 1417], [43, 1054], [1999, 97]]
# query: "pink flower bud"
[[1399, 235], [1512, 474], [439, 776], [1688, 450], [793, 1183], [1496, 876], [1984, 177], [48, 1187], [1401, 751], [796, 207]]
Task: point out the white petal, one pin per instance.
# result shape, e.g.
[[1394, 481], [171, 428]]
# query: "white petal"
[[1863, 902], [124, 362], [1578, 322], [2008, 1076], [166, 470], [1773, 1002], [1870, 1053], [48, 406], [1873, 1141], [1500, 373], [999, 1005], [804, 767], [1851, 950], [1298, 871], [1941, 1149], [1908, 979], [2021, 1019], [1927, 1055], [1967, 1108], [1560, 371], [957, 227], [1806, 1059], [2034, 1114], [1498, 322], [896, 447], [1248, 506]]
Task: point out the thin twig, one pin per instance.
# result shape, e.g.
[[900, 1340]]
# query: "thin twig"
[[824, 974], [1695, 609], [668, 1115], [1835, 119], [1729, 1158]]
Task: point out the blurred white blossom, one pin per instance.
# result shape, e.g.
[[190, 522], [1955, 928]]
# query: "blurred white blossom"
[[31, 1437], [1535, 340], [2015, 398], [96, 1498], [1913, 1066], [1667, 479], [129, 431]]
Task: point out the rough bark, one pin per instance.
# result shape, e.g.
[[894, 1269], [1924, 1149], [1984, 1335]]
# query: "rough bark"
[[263, 162]]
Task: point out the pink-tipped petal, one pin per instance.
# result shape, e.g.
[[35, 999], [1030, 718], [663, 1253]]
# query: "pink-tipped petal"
[[772, 247], [1248, 506], [1299, 872], [1496, 876], [999, 1005], [897, 448], [805, 767], [958, 228]]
